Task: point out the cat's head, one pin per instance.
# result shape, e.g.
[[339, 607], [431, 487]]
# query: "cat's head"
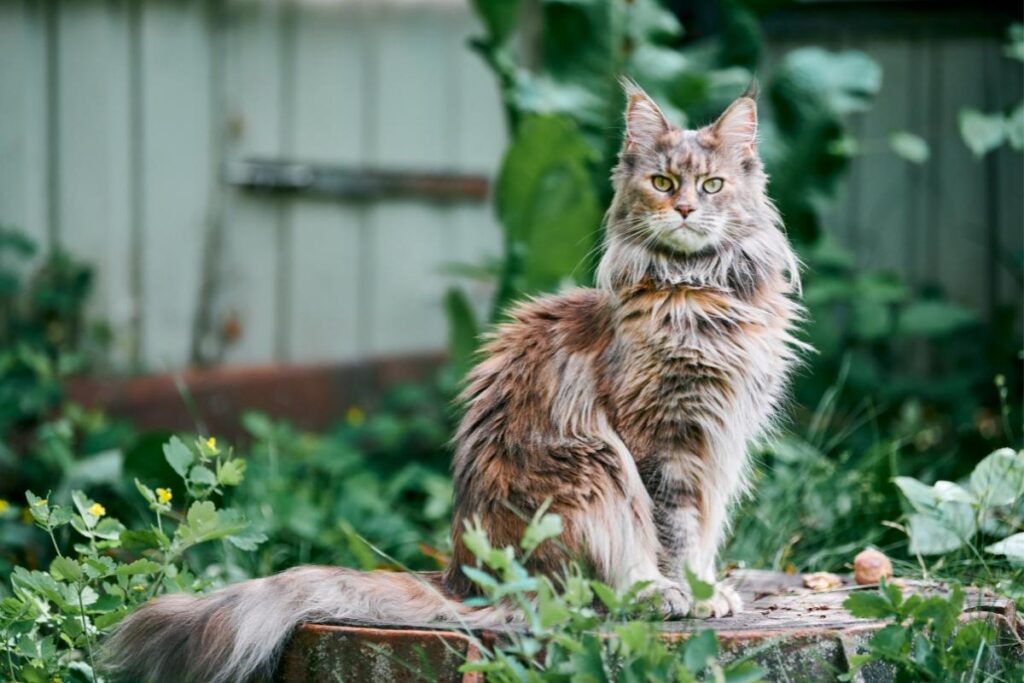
[[685, 192]]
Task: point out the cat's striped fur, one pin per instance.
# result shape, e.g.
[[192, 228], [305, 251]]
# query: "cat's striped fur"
[[629, 406]]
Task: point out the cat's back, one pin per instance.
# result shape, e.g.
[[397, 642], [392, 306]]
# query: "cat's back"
[[528, 359]]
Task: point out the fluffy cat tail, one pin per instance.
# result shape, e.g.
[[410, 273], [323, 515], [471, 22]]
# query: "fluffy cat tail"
[[236, 634]]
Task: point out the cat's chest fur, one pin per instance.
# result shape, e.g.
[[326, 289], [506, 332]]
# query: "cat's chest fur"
[[696, 368]]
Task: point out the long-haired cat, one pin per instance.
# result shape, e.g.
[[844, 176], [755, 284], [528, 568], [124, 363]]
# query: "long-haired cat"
[[629, 406]]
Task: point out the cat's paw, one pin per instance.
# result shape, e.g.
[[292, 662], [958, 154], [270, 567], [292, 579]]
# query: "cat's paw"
[[673, 600], [725, 602]]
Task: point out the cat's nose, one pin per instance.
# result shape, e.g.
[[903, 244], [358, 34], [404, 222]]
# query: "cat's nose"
[[684, 209]]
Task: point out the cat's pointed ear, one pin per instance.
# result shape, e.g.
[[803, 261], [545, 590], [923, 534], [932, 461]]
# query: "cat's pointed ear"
[[736, 128], [645, 122]]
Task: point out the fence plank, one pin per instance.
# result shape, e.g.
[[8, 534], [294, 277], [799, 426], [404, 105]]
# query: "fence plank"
[[176, 175], [93, 124], [23, 135], [253, 106], [329, 113], [409, 240]]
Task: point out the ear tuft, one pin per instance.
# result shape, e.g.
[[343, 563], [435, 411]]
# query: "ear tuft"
[[645, 122], [737, 126]]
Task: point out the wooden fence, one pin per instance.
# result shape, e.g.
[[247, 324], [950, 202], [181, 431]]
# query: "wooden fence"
[[118, 118]]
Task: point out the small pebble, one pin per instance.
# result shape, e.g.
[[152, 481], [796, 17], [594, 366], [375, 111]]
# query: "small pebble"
[[870, 566]]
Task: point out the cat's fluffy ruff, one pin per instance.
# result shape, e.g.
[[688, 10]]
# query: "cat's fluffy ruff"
[[629, 406]]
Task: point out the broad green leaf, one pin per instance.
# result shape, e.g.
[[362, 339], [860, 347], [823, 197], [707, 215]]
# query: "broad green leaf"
[[231, 472], [499, 17], [868, 605], [947, 491], [66, 569], [934, 318], [700, 648], [547, 204], [463, 334], [247, 540], [942, 531], [999, 478], [480, 577], [142, 566], [1012, 547], [981, 132], [547, 527], [701, 590], [178, 456], [202, 475], [911, 147], [921, 496]]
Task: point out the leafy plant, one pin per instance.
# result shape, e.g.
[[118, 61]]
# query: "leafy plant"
[[52, 622], [983, 132], [927, 641], [948, 517], [580, 629]]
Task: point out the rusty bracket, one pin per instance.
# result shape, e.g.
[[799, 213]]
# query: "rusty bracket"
[[278, 176]]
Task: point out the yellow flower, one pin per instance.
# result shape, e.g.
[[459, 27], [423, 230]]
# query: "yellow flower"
[[97, 509], [355, 416], [4, 506], [41, 501], [164, 496], [138, 587], [212, 443]]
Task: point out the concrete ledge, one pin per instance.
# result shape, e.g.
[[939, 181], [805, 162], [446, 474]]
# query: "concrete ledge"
[[797, 634]]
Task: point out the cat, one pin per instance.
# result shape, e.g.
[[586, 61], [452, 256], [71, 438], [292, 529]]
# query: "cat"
[[629, 406]]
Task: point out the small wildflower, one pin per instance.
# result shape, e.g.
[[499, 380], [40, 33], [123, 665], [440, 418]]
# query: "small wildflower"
[[4, 506], [138, 588], [164, 496], [212, 443], [40, 502], [97, 509], [355, 416]]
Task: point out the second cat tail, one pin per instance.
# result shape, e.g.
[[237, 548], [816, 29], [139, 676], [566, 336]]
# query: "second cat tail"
[[236, 634]]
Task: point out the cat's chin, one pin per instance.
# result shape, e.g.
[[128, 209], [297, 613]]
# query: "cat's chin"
[[686, 241]]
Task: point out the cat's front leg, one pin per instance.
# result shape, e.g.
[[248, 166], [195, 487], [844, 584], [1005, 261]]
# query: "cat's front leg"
[[689, 526]]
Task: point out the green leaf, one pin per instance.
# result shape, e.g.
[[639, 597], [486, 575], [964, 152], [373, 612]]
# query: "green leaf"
[[546, 201], [463, 333], [1015, 127], [539, 530], [699, 649], [142, 566], [480, 577], [247, 540], [999, 478], [178, 456], [934, 318], [202, 475], [702, 590], [890, 641], [943, 531], [66, 569], [911, 147], [869, 605], [1011, 546], [231, 472], [499, 17], [981, 132]]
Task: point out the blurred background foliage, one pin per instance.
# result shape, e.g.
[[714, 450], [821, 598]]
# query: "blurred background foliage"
[[904, 383]]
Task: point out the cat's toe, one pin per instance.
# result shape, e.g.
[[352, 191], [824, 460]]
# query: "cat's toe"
[[675, 603], [725, 602]]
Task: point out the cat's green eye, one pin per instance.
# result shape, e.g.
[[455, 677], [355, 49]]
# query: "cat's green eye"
[[713, 185], [662, 183]]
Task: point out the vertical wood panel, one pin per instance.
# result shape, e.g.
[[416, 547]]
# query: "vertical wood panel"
[[410, 241], [176, 136], [93, 129], [960, 233], [23, 54], [252, 103], [880, 215], [328, 115]]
